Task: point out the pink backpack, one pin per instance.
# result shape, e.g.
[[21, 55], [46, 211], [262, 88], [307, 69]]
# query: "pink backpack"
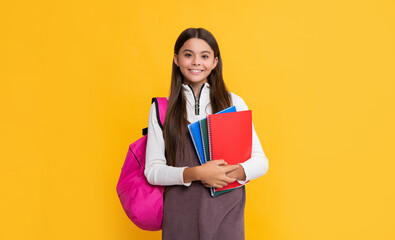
[[142, 202]]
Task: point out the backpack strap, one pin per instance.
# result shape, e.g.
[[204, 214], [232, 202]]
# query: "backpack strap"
[[161, 107]]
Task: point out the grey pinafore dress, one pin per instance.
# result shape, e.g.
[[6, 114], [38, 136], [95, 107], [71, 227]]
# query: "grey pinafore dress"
[[190, 213]]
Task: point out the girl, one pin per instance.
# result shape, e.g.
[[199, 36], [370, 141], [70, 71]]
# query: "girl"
[[197, 89]]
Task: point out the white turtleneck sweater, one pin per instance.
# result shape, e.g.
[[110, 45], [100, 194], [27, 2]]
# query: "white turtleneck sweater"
[[156, 170]]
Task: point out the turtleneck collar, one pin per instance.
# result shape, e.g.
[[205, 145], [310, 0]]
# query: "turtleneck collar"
[[194, 98], [187, 88]]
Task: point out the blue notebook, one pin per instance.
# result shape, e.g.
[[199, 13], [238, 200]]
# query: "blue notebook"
[[194, 130]]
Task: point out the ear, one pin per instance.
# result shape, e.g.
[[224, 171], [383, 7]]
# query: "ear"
[[215, 62], [176, 59]]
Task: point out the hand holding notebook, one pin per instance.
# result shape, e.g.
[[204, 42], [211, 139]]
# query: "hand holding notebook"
[[214, 173]]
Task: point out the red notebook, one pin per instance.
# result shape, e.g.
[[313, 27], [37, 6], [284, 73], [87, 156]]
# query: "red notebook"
[[230, 138]]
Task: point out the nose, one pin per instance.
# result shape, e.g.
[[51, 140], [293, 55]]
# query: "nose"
[[195, 61]]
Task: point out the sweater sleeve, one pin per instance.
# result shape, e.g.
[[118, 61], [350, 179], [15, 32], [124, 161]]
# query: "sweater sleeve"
[[156, 170], [258, 164]]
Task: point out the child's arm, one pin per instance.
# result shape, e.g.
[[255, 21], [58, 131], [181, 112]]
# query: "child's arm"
[[258, 164], [212, 173], [156, 170]]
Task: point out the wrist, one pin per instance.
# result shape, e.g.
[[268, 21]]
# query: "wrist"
[[242, 176], [238, 174], [191, 174]]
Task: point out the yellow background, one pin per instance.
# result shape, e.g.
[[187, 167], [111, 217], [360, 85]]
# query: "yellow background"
[[77, 78]]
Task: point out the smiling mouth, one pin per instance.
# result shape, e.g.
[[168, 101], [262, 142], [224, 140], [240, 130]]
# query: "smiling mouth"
[[195, 70]]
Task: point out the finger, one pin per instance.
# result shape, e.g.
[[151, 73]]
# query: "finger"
[[223, 183], [206, 184], [229, 168], [220, 162], [229, 179]]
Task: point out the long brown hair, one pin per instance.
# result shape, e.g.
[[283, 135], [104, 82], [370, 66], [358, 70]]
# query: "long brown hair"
[[176, 120]]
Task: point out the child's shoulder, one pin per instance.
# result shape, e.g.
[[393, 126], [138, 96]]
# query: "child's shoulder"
[[238, 102]]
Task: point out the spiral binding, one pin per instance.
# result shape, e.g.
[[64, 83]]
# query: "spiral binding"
[[210, 141], [194, 143], [209, 136], [204, 145]]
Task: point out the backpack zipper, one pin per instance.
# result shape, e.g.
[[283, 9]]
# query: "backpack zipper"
[[197, 106]]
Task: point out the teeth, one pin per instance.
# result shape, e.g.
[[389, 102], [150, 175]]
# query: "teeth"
[[196, 70]]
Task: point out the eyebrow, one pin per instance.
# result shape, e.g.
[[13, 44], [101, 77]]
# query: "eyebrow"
[[201, 52]]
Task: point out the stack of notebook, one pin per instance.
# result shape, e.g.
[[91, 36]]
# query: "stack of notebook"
[[225, 135]]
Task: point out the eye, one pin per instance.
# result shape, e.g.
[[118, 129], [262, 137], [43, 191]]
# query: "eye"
[[205, 56], [187, 55]]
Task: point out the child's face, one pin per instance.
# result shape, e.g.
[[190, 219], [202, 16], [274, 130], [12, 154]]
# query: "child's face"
[[195, 54]]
